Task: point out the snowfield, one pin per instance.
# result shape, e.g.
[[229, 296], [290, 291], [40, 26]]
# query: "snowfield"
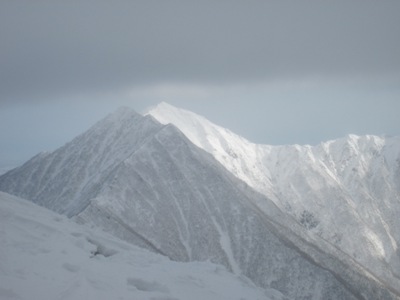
[[46, 256]]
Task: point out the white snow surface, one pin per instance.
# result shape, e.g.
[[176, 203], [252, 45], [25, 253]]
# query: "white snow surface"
[[148, 184], [347, 191], [47, 256]]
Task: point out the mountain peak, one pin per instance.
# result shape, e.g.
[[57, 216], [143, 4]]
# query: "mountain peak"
[[165, 113], [164, 104], [161, 106], [78, 168], [196, 127], [122, 113]]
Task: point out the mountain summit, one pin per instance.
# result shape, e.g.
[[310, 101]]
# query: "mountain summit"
[[148, 184], [68, 178]]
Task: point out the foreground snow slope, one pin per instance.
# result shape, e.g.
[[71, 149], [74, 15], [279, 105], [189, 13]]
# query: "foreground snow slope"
[[46, 256], [148, 184], [347, 191]]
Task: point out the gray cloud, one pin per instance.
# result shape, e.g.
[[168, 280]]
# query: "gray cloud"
[[52, 48], [276, 72]]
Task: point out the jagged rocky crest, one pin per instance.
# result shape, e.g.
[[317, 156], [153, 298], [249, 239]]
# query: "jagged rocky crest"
[[150, 185]]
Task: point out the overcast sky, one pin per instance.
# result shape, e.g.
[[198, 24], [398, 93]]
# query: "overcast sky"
[[276, 72]]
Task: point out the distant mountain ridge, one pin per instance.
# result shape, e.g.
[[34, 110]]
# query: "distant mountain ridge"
[[346, 190], [147, 183]]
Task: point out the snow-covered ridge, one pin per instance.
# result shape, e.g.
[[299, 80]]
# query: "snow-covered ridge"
[[346, 191], [148, 184], [70, 176], [46, 256], [236, 153]]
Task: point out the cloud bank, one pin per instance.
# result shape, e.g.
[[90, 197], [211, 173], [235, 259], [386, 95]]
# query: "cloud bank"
[[53, 48]]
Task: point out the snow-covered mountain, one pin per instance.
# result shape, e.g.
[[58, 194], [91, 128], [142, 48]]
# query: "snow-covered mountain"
[[68, 178], [47, 256], [347, 191], [148, 184]]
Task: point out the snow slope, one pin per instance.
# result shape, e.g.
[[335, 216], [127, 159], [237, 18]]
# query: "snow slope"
[[148, 184], [347, 191], [78, 168], [237, 154], [47, 256]]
